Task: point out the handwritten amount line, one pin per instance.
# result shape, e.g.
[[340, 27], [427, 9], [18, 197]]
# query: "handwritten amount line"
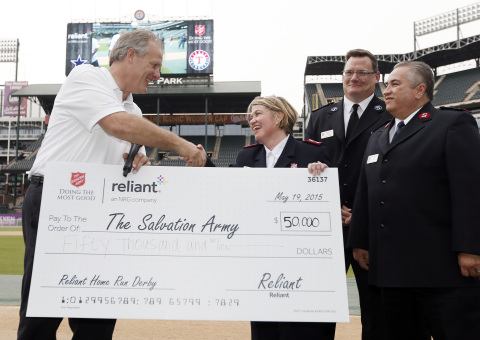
[[197, 256]]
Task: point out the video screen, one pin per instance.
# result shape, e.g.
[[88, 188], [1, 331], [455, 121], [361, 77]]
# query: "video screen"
[[188, 44]]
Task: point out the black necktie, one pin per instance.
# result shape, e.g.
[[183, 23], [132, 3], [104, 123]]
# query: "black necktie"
[[400, 125], [352, 122]]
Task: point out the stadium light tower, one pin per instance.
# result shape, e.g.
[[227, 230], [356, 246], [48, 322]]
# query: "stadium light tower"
[[446, 20], [9, 52]]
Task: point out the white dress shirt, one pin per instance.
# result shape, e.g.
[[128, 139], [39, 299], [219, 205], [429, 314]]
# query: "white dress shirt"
[[348, 109], [395, 128], [273, 155]]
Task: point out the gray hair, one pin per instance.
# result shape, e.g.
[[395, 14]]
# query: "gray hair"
[[138, 40], [421, 74]]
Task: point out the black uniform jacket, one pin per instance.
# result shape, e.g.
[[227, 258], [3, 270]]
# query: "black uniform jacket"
[[327, 125], [295, 154], [417, 202]]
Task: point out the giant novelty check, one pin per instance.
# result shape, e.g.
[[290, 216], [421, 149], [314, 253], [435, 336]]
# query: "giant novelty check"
[[189, 244]]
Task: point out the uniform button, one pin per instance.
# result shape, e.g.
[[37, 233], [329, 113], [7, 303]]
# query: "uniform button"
[[345, 184], [384, 181], [385, 160], [345, 203], [382, 225], [382, 203], [345, 166]]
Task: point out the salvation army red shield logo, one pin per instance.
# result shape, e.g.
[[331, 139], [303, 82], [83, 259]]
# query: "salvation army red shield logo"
[[199, 29], [424, 115], [77, 179]]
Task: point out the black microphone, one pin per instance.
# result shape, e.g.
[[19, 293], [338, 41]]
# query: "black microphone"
[[131, 156]]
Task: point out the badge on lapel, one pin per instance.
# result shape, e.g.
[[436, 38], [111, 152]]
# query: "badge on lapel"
[[334, 109], [424, 115], [378, 107]]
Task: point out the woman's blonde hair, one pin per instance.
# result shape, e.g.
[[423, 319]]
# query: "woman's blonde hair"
[[278, 105]]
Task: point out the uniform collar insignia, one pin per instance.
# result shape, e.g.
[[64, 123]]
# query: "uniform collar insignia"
[[251, 146], [424, 115]]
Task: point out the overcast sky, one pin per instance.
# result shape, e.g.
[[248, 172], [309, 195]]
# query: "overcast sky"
[[262, 40]]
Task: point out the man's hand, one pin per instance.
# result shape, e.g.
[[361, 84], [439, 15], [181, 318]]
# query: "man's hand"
[[346, 215], [139, 161], [134, 129], [195, 155], [316, 168], [361, 256], [469, 264]]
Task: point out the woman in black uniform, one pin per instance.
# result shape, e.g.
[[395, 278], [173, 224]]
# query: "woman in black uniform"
[[272, 120]]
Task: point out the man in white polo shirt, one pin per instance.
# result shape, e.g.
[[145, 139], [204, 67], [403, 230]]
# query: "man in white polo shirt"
[[95, 120]]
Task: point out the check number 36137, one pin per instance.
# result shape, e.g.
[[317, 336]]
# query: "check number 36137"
[[317, 179]]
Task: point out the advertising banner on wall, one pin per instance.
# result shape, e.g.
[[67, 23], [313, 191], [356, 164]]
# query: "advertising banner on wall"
[[10, 103], [10, 220], [200, 46], [79, 45], [197, 119], [188, 44]]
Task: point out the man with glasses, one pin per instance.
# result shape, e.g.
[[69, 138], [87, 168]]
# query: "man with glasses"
[[345, 127], [415, 223]]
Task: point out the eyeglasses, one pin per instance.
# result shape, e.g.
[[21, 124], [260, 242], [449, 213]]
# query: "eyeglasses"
[[360, 74]]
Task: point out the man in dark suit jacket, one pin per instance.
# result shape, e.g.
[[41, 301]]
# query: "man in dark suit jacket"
[[296, 154], [329, 125], [415, 223]]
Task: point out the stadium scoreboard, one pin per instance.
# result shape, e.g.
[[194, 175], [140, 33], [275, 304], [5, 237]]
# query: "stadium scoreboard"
[[188, 44]]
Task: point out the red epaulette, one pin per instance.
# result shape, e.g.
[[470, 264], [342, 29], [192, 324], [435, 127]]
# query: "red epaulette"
[[314, 142], [249, 146], [453, 109]]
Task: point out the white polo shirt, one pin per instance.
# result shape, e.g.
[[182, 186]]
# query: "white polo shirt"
[[88, 95]]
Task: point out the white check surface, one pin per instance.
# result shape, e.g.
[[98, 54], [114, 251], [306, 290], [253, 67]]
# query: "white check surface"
[[189, 244]]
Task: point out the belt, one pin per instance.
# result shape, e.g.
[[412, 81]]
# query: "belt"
[[36, 179]]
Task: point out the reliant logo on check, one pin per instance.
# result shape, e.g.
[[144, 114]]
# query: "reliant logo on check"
[[131, 186]]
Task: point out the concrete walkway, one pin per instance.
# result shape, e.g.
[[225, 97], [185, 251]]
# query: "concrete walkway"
[[169, 330]]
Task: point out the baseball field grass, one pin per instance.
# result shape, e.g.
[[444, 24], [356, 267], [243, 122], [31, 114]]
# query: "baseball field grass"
[[11, 255]]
